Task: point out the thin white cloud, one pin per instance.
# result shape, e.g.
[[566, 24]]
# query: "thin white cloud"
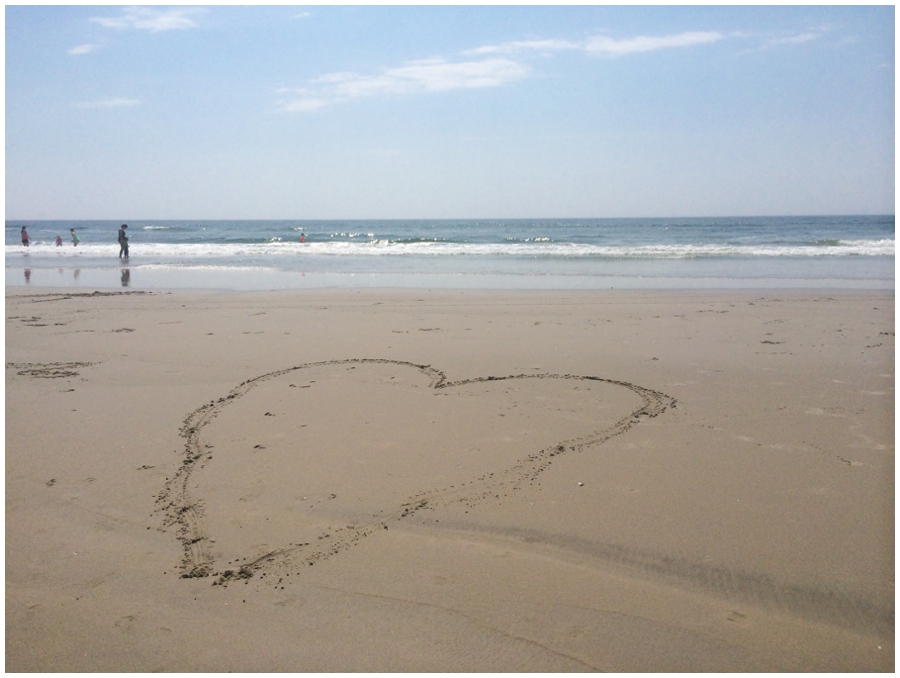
[[794, 39], [84, 49], [523, 45], [153, 20], [301, 15], [602, 45], [440, 75], [307, 105], [434, 76], [109, 103], [431, 75], [642, 43]]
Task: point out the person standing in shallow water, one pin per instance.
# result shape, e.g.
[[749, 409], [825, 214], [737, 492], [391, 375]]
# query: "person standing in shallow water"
[[123, 241], [74, 237], [25, 239]]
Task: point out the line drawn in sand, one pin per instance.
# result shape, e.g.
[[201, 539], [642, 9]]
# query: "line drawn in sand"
[[48, 370], [186, 513]]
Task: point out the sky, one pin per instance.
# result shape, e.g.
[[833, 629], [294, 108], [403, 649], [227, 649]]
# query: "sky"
[[432, 112]]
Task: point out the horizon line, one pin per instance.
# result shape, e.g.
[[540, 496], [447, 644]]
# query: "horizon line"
[[695, 216]]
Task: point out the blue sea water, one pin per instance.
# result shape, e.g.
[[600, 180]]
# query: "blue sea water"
[[762, 252]]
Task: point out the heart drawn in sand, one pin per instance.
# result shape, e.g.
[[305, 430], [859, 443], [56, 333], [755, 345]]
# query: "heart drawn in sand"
[[294, 466]]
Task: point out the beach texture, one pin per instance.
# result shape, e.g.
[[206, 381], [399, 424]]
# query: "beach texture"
[[449, 481]]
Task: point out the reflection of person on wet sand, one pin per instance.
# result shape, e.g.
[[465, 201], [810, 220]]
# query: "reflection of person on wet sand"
[[25, 239], [126, 277], [27, 275]]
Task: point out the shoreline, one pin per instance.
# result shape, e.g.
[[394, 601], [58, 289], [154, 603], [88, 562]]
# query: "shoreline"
[[383, 466], [132, 277]]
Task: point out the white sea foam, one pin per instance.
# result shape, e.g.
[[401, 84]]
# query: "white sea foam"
[[277, 248]]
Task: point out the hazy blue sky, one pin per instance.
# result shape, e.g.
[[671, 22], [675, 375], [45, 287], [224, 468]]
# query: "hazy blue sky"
[[447, 112]]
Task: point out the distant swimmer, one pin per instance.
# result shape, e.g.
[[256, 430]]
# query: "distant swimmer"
[[59, 241], [26, 241], [302, 238], [123, 241], [75, 240]]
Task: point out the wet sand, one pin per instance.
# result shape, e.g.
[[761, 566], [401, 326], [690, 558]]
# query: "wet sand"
[[449, 481]]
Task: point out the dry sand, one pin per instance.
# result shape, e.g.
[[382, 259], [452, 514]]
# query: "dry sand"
[[449, 481]]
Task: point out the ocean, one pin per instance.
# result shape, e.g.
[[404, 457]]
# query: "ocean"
[[855, 252]]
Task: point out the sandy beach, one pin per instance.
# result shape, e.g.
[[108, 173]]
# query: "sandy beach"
[[449, 480]]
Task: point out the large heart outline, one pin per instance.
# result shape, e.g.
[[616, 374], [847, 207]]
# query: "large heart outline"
[[186, 514]]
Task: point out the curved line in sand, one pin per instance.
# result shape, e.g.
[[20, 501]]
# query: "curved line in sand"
[[186, 513]]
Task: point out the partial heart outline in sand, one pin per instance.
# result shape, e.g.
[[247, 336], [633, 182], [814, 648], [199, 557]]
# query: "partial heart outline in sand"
[[186, 513]]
